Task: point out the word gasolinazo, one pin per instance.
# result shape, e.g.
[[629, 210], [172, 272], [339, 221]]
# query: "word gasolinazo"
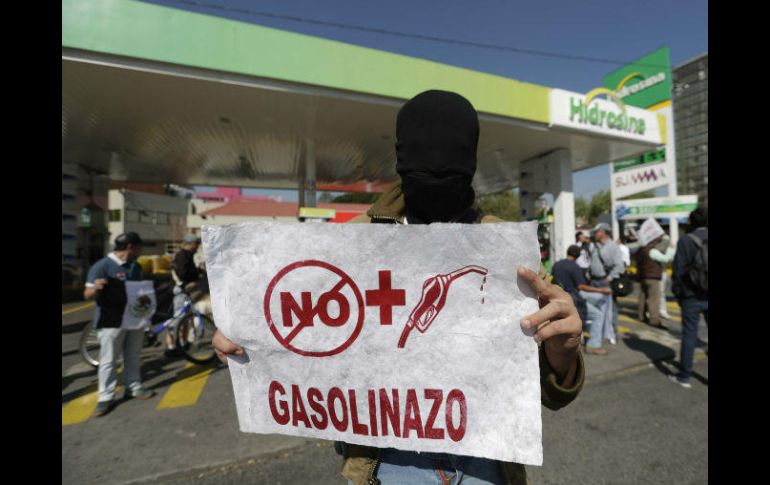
[[436, 414]]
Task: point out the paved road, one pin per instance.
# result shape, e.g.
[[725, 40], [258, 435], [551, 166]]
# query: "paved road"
[[630, 424]]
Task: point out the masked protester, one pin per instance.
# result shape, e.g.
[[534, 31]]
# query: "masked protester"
[[437, 136]]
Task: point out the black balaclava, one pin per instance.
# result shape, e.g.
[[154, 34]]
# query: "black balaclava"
[[437, 133]]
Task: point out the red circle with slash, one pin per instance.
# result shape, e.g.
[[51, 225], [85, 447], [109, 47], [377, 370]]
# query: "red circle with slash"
[[348, 281]]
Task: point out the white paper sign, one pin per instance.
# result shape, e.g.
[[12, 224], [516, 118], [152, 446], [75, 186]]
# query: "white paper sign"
[[382, 335], [649, 231], [140, 306]]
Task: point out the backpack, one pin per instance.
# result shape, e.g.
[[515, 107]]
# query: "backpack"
[[698, 270]]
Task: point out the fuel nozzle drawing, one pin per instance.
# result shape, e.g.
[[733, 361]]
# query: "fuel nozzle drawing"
[[432, 300]]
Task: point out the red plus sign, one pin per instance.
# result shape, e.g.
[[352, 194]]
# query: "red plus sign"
[[386, 298]]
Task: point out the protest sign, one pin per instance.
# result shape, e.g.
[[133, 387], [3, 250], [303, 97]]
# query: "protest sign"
[[382, 335], [649, 231]]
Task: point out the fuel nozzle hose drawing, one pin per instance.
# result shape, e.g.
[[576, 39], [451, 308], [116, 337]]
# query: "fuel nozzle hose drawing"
[[433, 298]]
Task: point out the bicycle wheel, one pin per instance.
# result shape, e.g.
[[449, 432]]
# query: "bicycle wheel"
[[193, 337], [89, 344]]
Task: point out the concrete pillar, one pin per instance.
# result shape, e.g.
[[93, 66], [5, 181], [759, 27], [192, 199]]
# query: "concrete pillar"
[[559, 183], [310, 173], [552, 173]]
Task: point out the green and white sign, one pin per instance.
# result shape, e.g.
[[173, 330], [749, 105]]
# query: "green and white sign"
[[658, 207], [644, 172], [588, 112], [645, 82]]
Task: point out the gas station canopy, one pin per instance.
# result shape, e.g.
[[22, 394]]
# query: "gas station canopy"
[[162, 95]]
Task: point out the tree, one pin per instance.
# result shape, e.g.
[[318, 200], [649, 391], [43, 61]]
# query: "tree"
[[600, 204], [581, 210], [589, 212], [504, 205]]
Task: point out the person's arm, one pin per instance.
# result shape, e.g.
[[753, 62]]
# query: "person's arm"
[[661, 257], [95, 282], [592, 289], [93, 288]]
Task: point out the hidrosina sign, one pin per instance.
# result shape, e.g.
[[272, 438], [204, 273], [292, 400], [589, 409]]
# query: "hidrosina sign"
[[644, 83], [613, 118], [387, 336]]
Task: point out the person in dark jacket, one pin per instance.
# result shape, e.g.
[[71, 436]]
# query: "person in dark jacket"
[[692, 299], [187, 277], [437, 137]]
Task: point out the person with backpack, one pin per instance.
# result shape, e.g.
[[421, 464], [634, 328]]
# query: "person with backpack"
[[690, 286]]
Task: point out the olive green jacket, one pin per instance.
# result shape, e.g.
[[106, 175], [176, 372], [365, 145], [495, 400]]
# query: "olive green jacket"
[[361, 462]]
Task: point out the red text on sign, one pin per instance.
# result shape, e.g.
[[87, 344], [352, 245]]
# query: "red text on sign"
[[421, 417]]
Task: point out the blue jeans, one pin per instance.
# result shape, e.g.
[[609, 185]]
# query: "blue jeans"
[[600, 314], [613, 329], [691, 310], [411, 468]]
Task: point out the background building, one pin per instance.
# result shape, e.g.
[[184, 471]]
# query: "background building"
[[160, 220], [692, 126]]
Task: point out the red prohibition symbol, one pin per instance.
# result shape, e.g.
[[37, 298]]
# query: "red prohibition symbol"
[[306, 311]]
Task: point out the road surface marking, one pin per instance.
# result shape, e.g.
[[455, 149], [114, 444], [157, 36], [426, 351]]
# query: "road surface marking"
[[82, 408], [77, 308], [187, 390]]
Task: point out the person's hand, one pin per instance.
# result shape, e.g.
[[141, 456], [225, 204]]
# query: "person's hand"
[[99, 284], [224, 346], [558, 326], [605, 291]]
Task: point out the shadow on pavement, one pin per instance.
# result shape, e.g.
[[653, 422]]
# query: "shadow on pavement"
[[653, 350], [151, 369]]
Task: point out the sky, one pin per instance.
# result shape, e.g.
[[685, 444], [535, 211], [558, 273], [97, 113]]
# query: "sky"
[[603, 30]]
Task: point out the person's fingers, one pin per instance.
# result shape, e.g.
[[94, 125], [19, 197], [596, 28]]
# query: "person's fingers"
[[566, 326], [537, 283], [222, 357], [225, 345], [549, 312]]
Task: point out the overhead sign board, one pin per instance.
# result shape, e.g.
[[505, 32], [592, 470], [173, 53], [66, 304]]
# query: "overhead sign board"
[[658, 207], [644, 172], [644, 83], [587, 112]]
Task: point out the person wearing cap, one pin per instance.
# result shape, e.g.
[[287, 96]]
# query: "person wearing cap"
[[187, 276], [606, 265], [437, 136], [106, 284]]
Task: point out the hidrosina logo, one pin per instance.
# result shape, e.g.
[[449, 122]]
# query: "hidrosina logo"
[[622, 90], [594, 115]]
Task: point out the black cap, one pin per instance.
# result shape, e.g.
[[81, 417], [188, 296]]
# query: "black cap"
[[123, 240]]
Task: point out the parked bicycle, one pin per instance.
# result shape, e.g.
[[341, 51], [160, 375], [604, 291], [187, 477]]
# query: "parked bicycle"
[[191, 329]]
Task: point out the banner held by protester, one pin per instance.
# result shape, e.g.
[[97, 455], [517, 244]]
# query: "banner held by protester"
[[382, 335]]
